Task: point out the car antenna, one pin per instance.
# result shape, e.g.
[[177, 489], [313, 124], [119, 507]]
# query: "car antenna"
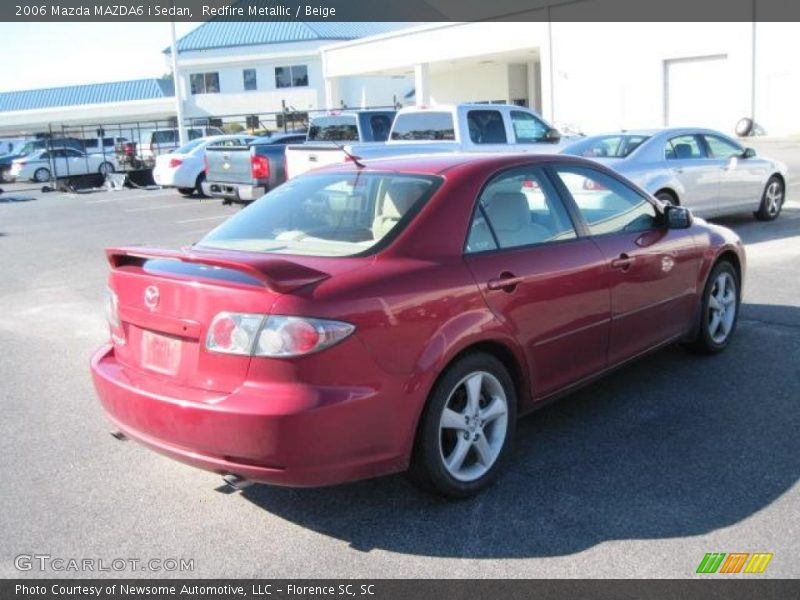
[[356, 159]]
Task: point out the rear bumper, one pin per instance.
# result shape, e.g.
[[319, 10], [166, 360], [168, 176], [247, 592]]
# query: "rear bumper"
[[292, 435], [235, 192]]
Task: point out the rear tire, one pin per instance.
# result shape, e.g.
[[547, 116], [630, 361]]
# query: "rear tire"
[[771, 200], [466, 429], [186, 191], [105, 168], [719, 310]]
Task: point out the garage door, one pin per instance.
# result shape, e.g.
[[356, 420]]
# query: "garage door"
[[699, 93]]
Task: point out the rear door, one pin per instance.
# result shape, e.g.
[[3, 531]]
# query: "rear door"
[[686, 156], [651, 270], [543, 281]]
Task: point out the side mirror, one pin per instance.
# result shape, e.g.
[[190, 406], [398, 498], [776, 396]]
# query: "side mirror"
[[677, 217], [553, 135], [749, 153]]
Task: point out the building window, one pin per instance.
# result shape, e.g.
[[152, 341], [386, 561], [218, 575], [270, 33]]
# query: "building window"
[[204, 83], [294, 76], [249, 78]]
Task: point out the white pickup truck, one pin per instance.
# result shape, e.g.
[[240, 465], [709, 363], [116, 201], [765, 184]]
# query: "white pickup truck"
[[447, 128]]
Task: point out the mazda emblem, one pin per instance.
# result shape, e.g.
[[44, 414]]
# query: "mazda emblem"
[[151, 296]]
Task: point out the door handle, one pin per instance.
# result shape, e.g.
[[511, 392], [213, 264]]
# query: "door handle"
[[506, 282], [623, 262]]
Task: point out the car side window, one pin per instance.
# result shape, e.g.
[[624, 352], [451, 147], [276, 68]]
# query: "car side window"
[[527, 128], [518, 208], [606, 204], [684, 147], [486, 127], [721, 148]]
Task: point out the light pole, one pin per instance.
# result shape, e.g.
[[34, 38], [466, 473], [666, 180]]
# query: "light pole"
[[176, 83]]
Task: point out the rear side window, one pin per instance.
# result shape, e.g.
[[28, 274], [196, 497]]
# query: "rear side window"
[[607, 204], [486, 127], [608, 146], [424, 126], [341, 128], [684, 147], [165, 136], [332, 214], [519, 208]]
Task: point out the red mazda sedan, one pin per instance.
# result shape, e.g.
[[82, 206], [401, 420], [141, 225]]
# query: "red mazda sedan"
[[401, 314]]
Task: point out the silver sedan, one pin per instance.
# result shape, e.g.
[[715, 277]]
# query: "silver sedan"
[[701, 169]]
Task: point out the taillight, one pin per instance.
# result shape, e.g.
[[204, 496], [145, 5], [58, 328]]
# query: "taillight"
[[273, 336], [174, 163], [259, 167], [112, 316], [22, 163], [130, 149]]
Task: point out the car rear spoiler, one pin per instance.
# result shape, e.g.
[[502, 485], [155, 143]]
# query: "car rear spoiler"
[[277, 274]]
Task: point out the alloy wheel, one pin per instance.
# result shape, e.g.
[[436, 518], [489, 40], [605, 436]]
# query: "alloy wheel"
[[722, 308], [774, 198], [473, 426]]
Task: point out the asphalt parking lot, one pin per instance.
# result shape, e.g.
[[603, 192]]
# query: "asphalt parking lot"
[[638, 475]]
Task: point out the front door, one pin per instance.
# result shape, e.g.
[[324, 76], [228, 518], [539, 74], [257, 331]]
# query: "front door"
[[651, 270], [741, 180], [540, 279]]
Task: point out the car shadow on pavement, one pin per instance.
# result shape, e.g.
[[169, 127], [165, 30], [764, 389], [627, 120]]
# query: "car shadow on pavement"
[[753, 231], [673, 445]]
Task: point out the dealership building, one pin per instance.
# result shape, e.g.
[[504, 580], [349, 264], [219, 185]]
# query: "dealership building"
[[586, 76]]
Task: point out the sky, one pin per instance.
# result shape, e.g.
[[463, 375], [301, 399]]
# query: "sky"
[[41, 55]]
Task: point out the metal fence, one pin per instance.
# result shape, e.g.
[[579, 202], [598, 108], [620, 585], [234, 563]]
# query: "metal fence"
[[96, 149]]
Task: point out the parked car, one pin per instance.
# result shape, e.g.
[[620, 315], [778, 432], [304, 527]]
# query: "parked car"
[[447, 128], [32, 146], [184, 168], [363, 320], [244, 173], [328, 133], [163, 141], [702, 169], [43, 165]]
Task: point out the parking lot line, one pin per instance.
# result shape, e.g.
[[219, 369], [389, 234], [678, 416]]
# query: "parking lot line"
[[153, 194], [195, 220], [158, 207]]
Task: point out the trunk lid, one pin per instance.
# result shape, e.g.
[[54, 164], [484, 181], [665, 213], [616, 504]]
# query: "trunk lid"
[[167, 301]]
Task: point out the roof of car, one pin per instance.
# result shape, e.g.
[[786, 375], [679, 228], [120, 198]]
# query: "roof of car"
[[656, 131], [436, 164]]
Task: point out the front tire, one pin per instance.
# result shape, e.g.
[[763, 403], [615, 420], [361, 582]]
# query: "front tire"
[[41, 175], [185, 191], [465, 433], [771, 200], [719, 310], [667, 197], [105, 168]]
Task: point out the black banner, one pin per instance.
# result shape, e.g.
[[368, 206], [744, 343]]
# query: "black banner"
[[399, 11], [281, 589]]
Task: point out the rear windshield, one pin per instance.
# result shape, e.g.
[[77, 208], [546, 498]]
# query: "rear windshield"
[[341, 128], [423, 126], [331, 214], [606, 146]]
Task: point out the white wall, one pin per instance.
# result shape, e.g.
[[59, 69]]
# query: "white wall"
[[374, 91], [778, 77], [611, 75], [470, 84]]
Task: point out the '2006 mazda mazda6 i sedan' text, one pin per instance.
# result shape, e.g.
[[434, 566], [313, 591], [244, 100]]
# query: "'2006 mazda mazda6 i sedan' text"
[[365, 319]]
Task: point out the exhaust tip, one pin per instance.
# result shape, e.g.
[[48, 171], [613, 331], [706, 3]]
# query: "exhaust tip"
[[236, 482], [118, 435]]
